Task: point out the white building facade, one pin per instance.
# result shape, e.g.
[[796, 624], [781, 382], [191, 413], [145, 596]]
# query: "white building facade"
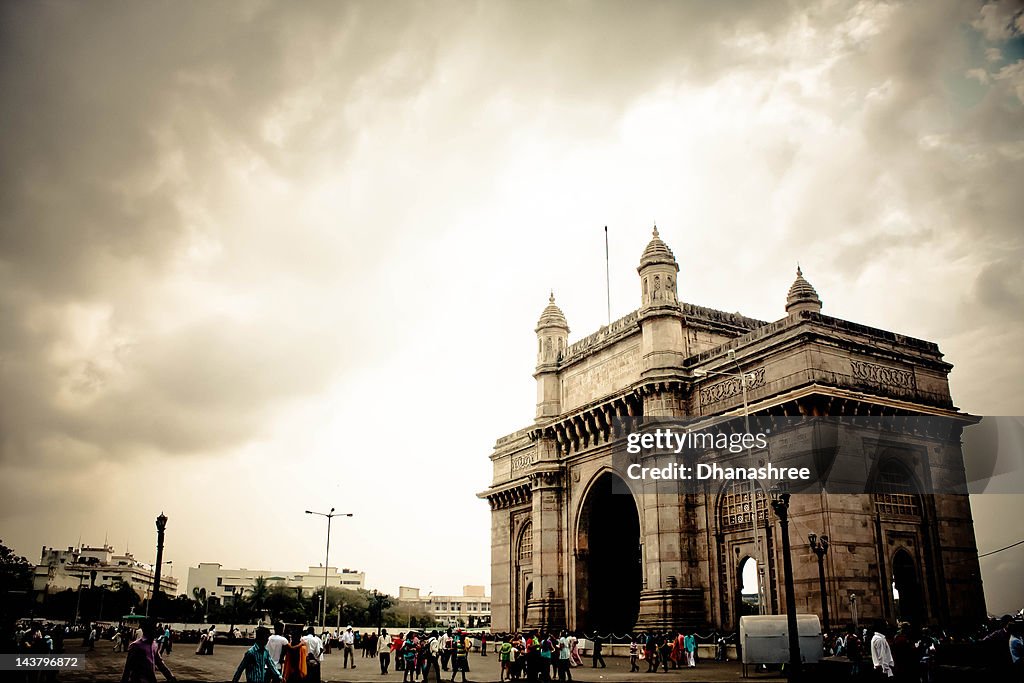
[[226, 585], [472, 609], [97, 567]]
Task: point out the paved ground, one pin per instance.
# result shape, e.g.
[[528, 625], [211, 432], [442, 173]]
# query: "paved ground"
[[106, 665]]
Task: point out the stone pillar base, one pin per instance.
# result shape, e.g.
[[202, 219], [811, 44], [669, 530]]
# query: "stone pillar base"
[[545, 613], [671, 608]]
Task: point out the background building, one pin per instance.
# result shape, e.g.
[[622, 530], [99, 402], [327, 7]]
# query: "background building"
[[471, 609], [566, 550], [98, 567], [227, 584]]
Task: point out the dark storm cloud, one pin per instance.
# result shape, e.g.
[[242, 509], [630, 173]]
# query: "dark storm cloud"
[[120, 120], [211, 212]]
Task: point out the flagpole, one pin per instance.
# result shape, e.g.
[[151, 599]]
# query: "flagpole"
[[607, 276]]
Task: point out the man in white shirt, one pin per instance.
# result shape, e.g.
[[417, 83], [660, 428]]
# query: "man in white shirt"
[[348, 639], [881, 655], [315, 656], [445, 648], [276, 643]]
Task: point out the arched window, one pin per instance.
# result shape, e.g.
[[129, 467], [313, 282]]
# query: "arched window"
[[737, 504], [525, 554], [895, 492]]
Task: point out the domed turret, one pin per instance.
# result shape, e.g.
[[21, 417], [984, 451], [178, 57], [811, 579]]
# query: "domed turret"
[[802, 296], [662, 343], [552, 340], [552, 334], [657, 252], [552, 317], [658, 270]]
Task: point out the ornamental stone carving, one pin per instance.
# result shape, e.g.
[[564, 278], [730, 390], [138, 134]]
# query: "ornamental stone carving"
[[730, 387], [882, 376]]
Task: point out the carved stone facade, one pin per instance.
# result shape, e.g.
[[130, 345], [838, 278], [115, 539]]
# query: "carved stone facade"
[[567, 551]]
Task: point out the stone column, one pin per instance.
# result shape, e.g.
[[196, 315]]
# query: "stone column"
[[673, 595], [547, 608]]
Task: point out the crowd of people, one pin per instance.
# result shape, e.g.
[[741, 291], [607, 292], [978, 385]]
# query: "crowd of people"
[[293, 654], [915, 655]]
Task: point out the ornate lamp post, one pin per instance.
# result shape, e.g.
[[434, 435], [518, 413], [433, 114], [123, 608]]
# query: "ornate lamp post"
[[161, 525], [780, 504], [819, 546]]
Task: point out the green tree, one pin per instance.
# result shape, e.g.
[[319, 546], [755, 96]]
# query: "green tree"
[[15, 586], [15, 570], [202, 604], [284, 604]]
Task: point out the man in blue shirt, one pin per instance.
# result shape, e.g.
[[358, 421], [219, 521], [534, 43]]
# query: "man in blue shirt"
[[256, 662]]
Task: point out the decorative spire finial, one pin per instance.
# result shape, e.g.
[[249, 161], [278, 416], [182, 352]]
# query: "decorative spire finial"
[[655, 228], [799, 273], [551, 299]]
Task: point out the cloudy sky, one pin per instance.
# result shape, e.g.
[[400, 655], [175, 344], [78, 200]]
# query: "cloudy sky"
[[263, 257]]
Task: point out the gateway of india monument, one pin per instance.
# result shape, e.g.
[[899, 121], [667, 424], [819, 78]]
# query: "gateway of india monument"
[[574, 545]]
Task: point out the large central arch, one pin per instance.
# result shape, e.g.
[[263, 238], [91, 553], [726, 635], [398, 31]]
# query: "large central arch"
[[609, 573]]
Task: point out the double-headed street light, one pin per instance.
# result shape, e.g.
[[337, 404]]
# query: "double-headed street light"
[[819, 546], [327, 560]]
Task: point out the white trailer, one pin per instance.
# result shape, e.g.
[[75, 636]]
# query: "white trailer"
[[764, 639]]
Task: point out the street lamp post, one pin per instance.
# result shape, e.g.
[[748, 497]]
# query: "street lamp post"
[[161, 525], [327, 559], [780, 504], [744, 378], [739, 590], [78, 604], [819, 546], [150, 593]]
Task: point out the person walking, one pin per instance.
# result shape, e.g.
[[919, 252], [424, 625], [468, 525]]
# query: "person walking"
[[408, 655], [634, 651], [1016, 645], [257, 662], [201, 647], [665, 649], [690, 646], [348, 640], [384, 651], [881, 654], [314, 655], [446, 649], [597, 655], [276, 644], [564, 657], [431, 653], [574, 650], [295, 656], [651, 652], [505, 657], [143, 659], [460, 663]]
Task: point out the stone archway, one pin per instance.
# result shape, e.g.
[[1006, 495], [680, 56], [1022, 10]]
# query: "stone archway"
[[906, 588], [609, 573]]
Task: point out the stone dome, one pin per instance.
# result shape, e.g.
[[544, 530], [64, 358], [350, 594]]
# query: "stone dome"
[[552, 316], [802, 296], [657, 252]]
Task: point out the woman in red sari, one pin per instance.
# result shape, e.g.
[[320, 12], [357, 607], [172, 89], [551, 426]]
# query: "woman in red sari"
[[294, 655]]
